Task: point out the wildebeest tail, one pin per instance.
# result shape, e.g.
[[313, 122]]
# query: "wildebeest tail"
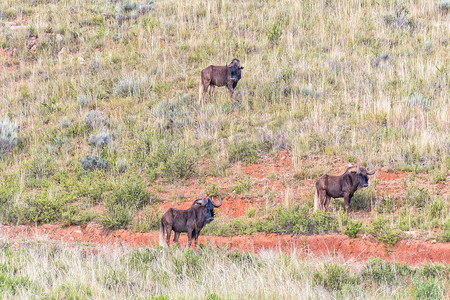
[[161, 234], [316, 200], [200, 91]]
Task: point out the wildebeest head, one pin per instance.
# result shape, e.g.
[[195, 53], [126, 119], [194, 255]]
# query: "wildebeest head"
[[209, 205], [361, 175], [236, 68]]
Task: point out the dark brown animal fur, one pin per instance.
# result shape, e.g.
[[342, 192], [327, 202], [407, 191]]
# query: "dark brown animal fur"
[[191, 220], [345, 185], [212, 76]]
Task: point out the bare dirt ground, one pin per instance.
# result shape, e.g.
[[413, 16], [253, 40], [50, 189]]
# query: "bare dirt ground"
[[274, 177]]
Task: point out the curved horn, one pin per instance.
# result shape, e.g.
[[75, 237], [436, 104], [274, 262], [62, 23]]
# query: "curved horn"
[[371, 172], [358, 169], [226, 64], [215, 204], [204, 201]]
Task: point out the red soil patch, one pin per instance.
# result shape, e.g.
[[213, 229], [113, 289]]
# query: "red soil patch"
[[361, 249], [389, 176]]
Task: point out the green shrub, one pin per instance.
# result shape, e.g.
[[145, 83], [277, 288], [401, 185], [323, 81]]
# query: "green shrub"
[[91, 186], [383, 232], [352, 228], [323, 222], [45, 208], [439, 177], [417, 197], [233, 227], [446, 235], [243, 151], [333, 277], [429, 289], [7, 203], [38, 169], [212, 190], [243, 186], [436, 208], [116, 216], [149, 219], [162, 160], [364, 199], [297, 219], [132, 193], [123, 201], [72, 215], [381, 271], [179, 166], [251, 212], [386, 204], [13, 283]]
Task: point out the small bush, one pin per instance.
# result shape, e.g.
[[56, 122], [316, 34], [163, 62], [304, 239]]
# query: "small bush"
[[297, 219], [132, 193], [439, 177], [363, 199], [382, 271], [132, 86], [212, 190], [383, 232], [95, 119], [148, 220], [89, 163], [8, 135], [251, 212], [386, 204], [428, 289], [179, 166], [444, 6], [243, 186], [446, 234], [72, 215], [417, 197], [352, 228], [121, 165], [91, 187], [39, 168], [243, 151], [116, 216], [333, 277], [45, 208], [418, 100], [435, 208], [101, 139]]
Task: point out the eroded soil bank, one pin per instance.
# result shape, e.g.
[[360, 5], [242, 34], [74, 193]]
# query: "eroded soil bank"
[[413, 252]]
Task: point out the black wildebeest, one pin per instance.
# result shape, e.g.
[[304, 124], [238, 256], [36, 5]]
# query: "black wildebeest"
[[345, 185], [213, 76], [191, 220]]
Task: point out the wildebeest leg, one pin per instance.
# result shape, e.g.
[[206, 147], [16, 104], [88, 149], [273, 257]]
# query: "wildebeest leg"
[[203, 88], [211, 92], [347, 203], [196, 239], [168, 233], [176, 237], [327, 203], [230, 88], [322, 199], [189, 234]]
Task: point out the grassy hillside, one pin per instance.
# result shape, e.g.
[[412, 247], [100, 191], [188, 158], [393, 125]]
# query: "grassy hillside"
[[98, 99]]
